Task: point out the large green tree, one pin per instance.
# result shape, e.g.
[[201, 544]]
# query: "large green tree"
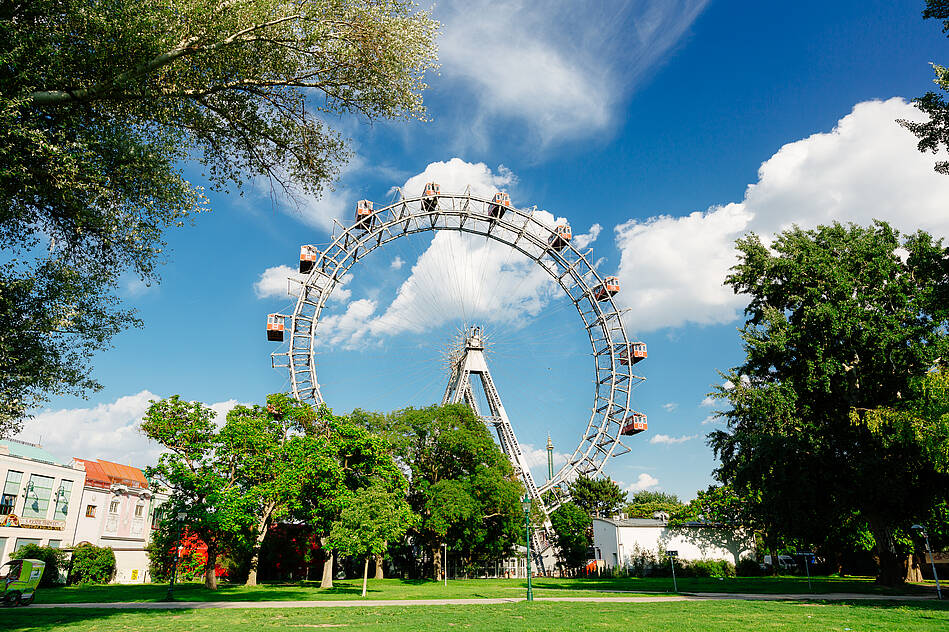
[[601, 496], [375, 516], [462, 486], [840, 319], [572, 525], [934, 133], [200, 470], [103, 104]]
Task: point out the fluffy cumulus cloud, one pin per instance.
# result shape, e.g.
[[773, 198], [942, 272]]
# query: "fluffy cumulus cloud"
[[560, 72], [669, 440], [866, 168], [273, 282], [106, 431], [670, 406], [644, 481], [457, 276]]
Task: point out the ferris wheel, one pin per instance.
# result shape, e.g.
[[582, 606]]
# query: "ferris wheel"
[[547, 244]]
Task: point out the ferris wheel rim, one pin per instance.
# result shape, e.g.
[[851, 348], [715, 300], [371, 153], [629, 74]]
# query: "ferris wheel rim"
[[568, 266]]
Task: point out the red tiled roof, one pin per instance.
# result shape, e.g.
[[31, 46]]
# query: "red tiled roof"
[[105, 473]]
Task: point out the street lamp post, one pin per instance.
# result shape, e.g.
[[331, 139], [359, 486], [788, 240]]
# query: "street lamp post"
[[932, 560], [445, 569], [174, 568], [526, 504]]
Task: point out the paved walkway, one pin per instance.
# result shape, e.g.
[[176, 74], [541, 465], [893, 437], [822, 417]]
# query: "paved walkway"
[[353, 603]]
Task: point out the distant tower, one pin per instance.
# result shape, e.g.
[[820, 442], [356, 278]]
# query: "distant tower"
[[550, 458]]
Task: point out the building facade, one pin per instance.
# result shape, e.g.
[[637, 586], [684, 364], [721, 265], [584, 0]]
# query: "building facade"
[[617, 541], [39, 498], [118, 510]]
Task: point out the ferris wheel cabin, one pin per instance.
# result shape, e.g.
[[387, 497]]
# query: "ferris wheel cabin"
[[561, 237], [430, 200], [307, 259], [608, 288], [634, 424], [500, 203], [275, 327], [364, 214], [632, 353]]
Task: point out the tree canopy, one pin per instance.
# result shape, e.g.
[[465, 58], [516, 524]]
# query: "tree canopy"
[[103, 104], [934, 133], [596, 495], [841, 320]]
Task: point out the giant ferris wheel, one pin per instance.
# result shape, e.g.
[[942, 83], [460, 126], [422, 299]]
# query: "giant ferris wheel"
[[549, 246]]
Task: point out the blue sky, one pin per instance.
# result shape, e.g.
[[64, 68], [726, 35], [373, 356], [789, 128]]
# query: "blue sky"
[[662, 130]]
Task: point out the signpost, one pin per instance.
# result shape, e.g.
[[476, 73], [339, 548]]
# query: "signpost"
[[807, 556], [672, 555]]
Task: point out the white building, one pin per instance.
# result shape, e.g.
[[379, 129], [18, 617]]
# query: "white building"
[[118, 510], [39, 500], [617, 541]]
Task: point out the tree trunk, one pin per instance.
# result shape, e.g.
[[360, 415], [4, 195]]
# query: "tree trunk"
[[327, 580], [436, 562], [379, 571], [262, 527], [365, 575], [914, 572], [210, 579], [892, 566], [773, 552]]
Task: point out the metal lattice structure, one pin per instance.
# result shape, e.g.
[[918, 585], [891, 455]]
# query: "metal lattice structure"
[[519, 229]]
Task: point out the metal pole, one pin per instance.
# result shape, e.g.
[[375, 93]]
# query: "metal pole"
[[807, 568], [445, 570], [527, 524], [174, 568], [672, 564], [932, 560]]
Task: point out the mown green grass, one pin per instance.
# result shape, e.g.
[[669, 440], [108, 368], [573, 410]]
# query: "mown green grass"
[[705, 616], [460, 589]]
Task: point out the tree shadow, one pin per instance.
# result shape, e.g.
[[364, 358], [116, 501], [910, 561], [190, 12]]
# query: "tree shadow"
[[711, 540]]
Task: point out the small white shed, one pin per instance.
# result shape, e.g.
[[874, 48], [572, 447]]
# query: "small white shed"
[[616, 540]]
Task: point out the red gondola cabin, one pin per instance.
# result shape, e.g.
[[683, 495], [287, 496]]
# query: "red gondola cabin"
[[634, 424], [430, 200], [275, 327], [633, 353], [364, 214], [307, 258], [561, 237], [608, 288], [500, 203]]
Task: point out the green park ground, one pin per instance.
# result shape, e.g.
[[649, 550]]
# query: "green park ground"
[[801, 609]]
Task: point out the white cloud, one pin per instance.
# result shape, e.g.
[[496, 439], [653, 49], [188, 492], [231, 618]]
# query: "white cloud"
[[866, 168], [273, 281], [582, 241], [397, 263], [711, 419], [561, 71], [106, 431], [670, 406], [645, 481], [668, 440], [708, 402]]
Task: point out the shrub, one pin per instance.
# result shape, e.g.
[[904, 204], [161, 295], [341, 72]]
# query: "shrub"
[[55, 561], [708, 568], [92, 565], [748, 567]]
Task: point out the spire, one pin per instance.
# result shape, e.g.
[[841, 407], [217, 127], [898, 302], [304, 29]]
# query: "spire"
[[550, 458]]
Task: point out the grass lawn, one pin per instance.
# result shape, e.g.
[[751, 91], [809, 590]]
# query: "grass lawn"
[[457, 589], [707, 616]]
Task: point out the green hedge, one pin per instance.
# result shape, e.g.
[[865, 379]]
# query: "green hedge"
[[92, 565], [55, 561]]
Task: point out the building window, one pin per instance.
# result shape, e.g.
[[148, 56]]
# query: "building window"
[[3, 546], [55, 544], [38, 492], [138, 510], [114, 507], [10, 490], [158, 516], [62, 499], [90, 511], [21, 542]]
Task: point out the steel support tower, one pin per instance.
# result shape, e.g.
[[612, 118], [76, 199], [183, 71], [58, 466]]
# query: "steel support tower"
[[468, 361]]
